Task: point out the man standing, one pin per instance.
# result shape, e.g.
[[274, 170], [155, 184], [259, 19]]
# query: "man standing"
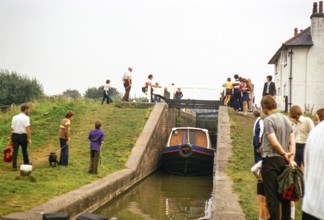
[[313, 202], [64, 135], [269, 87], [278, 151], [127, 80], [20, 134]]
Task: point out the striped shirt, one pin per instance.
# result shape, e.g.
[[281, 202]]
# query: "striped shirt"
[[64, 132], [281, 126]]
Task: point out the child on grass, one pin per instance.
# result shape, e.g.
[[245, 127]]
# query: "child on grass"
[[96, 137]]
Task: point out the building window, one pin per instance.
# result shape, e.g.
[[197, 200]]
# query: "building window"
[[284, 57]]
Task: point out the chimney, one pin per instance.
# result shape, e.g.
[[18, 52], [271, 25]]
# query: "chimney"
[[295, 31], [315, 8], [320, 7], [301, 30]]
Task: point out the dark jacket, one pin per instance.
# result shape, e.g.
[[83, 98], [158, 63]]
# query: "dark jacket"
[[288, 178], [272, 89]]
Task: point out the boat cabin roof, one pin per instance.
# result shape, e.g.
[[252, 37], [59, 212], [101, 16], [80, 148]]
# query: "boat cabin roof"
[[189, 135]]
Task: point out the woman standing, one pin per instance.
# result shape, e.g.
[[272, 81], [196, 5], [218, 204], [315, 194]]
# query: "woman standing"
[[245, 90], [229, 91]]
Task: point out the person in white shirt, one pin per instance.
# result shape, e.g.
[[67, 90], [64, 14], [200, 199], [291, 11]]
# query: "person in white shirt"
[[302, 126], [127, 81], [313, 202], [105, 93], [20, 135]]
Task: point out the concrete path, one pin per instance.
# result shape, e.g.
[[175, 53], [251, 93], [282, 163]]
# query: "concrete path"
[[225, 202]]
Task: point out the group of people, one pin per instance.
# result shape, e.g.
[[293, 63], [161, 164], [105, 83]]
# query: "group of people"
[[239, 94], [280, 141], [156, 92], [20, 135], [153, 90]]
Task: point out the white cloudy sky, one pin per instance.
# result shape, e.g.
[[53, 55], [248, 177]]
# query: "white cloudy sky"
[[77, 44]]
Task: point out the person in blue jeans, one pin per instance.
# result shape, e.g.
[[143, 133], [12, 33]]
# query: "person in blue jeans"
[[105, 94], [236, 93], [64, 136]]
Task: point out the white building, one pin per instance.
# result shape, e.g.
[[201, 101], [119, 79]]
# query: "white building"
[[299, 66]]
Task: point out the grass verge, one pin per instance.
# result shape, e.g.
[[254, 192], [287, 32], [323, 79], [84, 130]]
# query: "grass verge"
[[122, 125], [239, 170]]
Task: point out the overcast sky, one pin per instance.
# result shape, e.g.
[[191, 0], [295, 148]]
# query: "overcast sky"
[[78, 44]]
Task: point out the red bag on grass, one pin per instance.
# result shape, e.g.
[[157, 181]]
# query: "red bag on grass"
[[7, 153]]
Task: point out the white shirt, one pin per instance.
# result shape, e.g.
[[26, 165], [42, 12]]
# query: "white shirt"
[[19, 123], [106, 87], [127, 75], [313, 202], [268, 87], [302, 128]]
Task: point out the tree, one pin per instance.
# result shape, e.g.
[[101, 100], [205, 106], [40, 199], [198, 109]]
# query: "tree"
[[17, 89], [94, 92], [72, 93]]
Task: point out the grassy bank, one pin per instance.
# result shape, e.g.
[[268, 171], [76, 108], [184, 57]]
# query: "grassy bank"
[[241, 163], [121, 124]]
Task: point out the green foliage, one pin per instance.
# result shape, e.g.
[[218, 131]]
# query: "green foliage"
[[72, 93], [17, 89], [122, 126], [95, 93]]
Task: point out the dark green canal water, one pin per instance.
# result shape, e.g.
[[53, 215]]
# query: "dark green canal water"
[[163, 196]]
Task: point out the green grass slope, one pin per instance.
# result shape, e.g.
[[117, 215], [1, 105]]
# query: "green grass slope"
[[244, 182], [122, 126]]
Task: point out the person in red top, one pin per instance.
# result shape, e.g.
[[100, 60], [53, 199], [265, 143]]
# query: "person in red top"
[[245, 90]]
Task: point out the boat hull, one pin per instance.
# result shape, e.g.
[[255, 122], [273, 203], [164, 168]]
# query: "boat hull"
[[199, 162]]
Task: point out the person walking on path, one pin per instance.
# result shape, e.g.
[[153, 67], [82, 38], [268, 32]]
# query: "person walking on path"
[[20, 135], [96, 137], [64, 136], [313, 202], [278, 150], [127, 81], [105, 93], [228, 91], [269, 87]]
